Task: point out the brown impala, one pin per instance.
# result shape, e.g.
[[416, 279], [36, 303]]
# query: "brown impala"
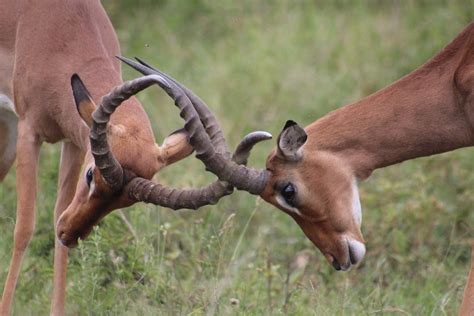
[[312, 174], [42, 43]]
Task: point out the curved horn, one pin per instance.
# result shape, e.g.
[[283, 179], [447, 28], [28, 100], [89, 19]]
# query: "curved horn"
[[147, 191], [242, 152], [207, 117], [105, 161], [241, 177]]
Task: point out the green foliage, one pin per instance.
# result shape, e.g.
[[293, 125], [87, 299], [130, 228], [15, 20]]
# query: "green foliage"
[[258, 64]]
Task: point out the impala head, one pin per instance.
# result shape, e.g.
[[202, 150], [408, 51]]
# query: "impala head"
[[316, 188], [100, 188], [121, 160]]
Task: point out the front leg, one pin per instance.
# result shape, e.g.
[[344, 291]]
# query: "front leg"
[[28, 146], [69, 170]]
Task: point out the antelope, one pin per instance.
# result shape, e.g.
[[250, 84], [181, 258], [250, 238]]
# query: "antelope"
[[313, 173], [43, 44]]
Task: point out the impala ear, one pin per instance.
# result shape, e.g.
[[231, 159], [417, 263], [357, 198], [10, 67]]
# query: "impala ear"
[[82, 98], [175, 147], [291, 141]]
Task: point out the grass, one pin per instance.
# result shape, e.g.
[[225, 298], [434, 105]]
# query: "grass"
[[258, 64]]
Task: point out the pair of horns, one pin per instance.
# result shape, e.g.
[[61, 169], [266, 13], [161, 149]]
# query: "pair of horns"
[[205, 136]]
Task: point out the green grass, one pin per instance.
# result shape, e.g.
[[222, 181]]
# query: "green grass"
[[258, 64]]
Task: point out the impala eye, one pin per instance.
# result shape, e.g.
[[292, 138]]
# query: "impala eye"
[[89, 176], [289, 193]]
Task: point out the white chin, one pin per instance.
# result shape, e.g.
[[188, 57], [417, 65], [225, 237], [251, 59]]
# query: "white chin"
[[357, 250]]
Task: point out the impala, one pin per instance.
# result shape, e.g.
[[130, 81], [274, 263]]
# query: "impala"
[[312, 174], [42, 44]]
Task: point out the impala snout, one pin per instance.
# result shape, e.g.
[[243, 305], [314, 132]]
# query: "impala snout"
[[74, 224], [78, 220], [70, 237], [353, 253], [83, 213]]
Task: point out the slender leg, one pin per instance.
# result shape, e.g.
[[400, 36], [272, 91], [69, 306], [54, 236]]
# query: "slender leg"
[[467, 306], [28, 146], [69, 169]]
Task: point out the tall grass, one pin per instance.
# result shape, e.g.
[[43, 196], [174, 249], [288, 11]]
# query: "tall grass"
[[258, 64]]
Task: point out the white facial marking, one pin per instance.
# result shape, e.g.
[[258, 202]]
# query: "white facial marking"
[[286, 206], [92, 188], [356, 208]]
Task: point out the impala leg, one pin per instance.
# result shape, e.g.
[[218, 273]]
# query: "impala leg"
[[28, 146], [69, 170], [467, 306]]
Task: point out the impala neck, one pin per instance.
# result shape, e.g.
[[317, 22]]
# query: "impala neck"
[[419, 115]]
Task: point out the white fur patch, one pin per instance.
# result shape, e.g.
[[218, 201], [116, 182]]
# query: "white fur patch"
[[6, 103], [356, 208], [286, 206], [357, 250], [9, 121]]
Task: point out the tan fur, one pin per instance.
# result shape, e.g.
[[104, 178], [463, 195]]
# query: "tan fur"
[[429, 111], [42, 43]]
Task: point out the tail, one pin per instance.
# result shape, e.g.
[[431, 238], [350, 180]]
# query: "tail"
[[467, 306]]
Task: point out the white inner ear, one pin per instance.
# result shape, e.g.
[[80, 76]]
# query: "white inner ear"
[[286, 206], [356, 208], [290, 144]]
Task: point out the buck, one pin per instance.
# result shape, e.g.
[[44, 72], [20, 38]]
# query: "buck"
[[312, 174], [42, 43]]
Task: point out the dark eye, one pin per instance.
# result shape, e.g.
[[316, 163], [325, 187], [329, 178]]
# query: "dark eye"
[[89, 176], [288, 193]]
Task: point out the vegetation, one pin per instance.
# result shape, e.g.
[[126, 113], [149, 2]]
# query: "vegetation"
[[258, 64]]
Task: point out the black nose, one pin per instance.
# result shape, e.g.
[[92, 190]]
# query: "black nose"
[[336, 265]]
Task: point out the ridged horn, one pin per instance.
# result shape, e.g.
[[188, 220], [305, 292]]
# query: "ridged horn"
[[242, 177], [109, 168], [206, 116], [147, 191]]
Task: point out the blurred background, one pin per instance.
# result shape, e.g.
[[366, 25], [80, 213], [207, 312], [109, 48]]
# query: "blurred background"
[[258, 64]]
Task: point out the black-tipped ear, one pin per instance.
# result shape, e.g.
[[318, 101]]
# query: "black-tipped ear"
[[84, 104], [291, 140], [289, 123]]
